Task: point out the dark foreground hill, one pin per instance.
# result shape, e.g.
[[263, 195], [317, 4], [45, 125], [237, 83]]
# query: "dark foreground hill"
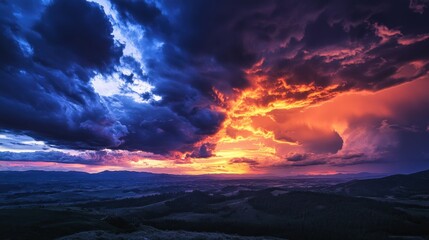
[[130, 205]]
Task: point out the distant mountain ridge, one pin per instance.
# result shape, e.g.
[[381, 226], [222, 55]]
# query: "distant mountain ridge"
[[43, 176], [105, 175], [398, 185], [359, 175], [395, 185]]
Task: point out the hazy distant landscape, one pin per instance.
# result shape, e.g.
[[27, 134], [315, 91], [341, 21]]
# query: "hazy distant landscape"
[[132, 205]]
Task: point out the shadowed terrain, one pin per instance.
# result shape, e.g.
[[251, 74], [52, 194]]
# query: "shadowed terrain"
[[131, 205]]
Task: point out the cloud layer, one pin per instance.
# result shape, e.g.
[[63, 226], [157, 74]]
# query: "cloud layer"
[[252, 83]]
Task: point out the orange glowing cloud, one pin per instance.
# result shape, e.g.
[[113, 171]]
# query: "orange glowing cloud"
[[260, 135]]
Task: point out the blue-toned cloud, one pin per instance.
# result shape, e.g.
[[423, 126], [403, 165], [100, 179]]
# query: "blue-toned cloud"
[[54, 73]]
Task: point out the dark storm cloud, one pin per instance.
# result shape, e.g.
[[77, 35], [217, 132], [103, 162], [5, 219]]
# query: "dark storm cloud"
[[200, 29], [360, 162], [57, 109], [46, 64], [353, 156], [161, 128], [204, 151], [296, 157], [248, 161], [76, 32], [317, 42], [9, 48], [51, 156], [353, 44], [340, 159], [308, 163], [155, 129], [139, 11], [45, 94], [195, 43], [44, 88], [89, 157]]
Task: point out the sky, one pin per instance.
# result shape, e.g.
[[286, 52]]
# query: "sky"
[[278, 88]]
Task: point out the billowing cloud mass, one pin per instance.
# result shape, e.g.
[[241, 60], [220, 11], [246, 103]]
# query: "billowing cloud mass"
[[275, 87]]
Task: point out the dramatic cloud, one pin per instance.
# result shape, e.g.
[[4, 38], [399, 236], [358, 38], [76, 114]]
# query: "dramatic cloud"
[[204, 151], [51, 156], [93, 158], [54, 93], [47, 92], [85, 40], [250, 162], [296, 157], [217, 85]]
